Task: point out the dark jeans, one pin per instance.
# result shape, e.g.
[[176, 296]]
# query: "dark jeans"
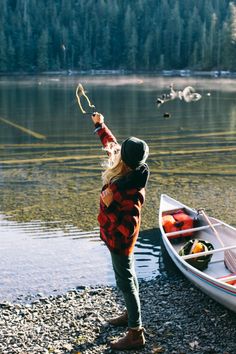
[[127, 282]]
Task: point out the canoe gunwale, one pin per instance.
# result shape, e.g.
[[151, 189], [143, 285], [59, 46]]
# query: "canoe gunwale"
[[229, 278], [194, 229]]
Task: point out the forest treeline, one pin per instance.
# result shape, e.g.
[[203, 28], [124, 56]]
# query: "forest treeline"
[[52, 35]]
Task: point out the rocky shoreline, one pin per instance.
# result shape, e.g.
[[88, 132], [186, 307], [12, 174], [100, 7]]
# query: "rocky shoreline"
[[178, 319]]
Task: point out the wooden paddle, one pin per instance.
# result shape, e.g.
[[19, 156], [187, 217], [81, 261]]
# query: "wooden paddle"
[[229, 257]]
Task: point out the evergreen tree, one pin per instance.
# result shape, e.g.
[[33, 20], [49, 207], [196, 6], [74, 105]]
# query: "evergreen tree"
[[131, 39], [231, 37], [118, 34], [3, 51], [173, 36], [42, 51]]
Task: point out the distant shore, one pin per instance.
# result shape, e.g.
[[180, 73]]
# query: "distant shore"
[[162, 73]]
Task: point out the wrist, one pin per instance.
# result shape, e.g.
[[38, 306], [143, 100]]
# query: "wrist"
[[97, 118]]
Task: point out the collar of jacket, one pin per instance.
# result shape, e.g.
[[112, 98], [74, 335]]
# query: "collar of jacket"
[[135, 179]]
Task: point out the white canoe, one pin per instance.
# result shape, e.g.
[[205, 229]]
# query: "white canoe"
[[210, 280]]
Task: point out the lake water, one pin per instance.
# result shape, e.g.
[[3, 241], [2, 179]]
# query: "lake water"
[[50, 182]]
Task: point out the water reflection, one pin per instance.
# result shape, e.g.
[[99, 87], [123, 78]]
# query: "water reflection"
[[147, 253], [36, 258]]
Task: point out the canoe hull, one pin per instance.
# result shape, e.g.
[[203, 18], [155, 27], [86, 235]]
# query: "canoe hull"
[[223, 293]]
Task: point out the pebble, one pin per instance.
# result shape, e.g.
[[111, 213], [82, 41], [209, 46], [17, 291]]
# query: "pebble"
[[177, 318]]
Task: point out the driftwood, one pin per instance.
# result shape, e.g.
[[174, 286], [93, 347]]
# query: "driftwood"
[[79, 93], [47, 159], [191, 152], [23, 129], [188, 95]]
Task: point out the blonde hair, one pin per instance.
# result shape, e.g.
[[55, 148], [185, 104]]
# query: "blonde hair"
[[116, 168]]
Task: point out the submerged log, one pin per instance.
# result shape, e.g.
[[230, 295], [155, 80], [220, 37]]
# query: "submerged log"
[[23, 129]]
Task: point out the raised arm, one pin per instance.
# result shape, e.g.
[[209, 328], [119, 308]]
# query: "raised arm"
[[102, 130]]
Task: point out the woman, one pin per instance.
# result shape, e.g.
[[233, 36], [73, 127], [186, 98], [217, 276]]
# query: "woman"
[[121, 200]]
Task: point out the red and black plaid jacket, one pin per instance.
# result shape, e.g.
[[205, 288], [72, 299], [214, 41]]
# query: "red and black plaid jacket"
[[120, 221]]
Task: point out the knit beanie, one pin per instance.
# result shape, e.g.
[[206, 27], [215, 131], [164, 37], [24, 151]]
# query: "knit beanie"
[[134, 152]]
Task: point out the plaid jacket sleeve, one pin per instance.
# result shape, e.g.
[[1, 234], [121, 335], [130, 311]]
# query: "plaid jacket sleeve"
[[105, 134]]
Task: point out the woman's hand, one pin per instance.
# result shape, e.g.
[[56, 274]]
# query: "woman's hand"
[[107, 196], [97, 118]]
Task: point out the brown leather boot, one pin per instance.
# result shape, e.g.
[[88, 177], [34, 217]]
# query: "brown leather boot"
[[134, 339], [121, 320]]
